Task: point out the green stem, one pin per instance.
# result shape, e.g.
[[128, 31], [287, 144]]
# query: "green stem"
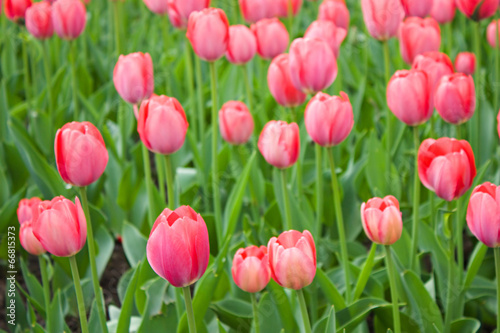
[[255, 313], [199, 91], [79, 294], [449, 37], [178, 303], [477, 81], [189, 309], [290, 18], [450, 287], [288, 212], [116, 19], [388, 134], [365, 273], [48, 78], [46, 292], [340, 225], [93, 267], [27, 87], [254, 203], [497, 57], [170, 181], [149, 183], [74, 84], [160, 171], [190, 83], [497, 268], [416, 203], [166, 44], [303, 310], [319, 189], [122, 114], [248, 87], [391, 270]]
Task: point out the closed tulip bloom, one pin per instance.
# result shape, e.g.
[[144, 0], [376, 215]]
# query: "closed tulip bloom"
[[435, 65], [279, 143], [271, 36], [420, 8], [443, 11], [491, 33], [381, 219], [39, 20], [250, 268], [61, 227], [69, 18], [418, 36], [242, 45], [180, 10], [455, 98], [16, 9], [208, 32], [329, 32], [335, 11], [255, 10], [312, 65], [382, 17], [483, 214], [27, 210], [477, 9], [159, 7], [280, 83], [28, 240], [329, 119], [408, 96], [235, 122], [162, 124], [465, 62], [446, 166], [81, 154], [133, 77], [284, 4], [292, 258], [178, 248]]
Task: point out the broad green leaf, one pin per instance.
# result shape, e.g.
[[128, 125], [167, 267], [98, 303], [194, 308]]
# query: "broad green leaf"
[[235, 313], [269, 319], [350, 317], [331, 292], [128, 303], [465, 325], [134, 244], [365, 272], [475, 262]]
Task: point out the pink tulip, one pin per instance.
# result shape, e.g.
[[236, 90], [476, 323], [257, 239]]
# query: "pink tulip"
[[178, 248], [28, 210], [435, 65], [483, 214], [235, 123], [39, 20], [455, 98], [492, 33], [69, 18], [382, 17], [159, 7], [28, 240], [283, 7], [420, 8], [250, 268], [180, 10], [280, 83], [292, 258], [312, 65], [381, 219], [329, 32], [465, 62], [408, 96], [61, 227], [329, 119], [255, 10], [271, 36], [477, 9], [335, 11], [208, 32], [279, 143], [418, 36], [242, 45], [162, 124], [16, 9], [133, 77], [443, 11], [81, 154], [446, 166]]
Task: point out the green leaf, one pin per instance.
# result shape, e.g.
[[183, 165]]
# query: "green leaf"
[[475, 262], [234, 312], [331, 292], [349, 318], [269, 319], [128, 303], [365, 272], [281, 301], [327, 324], [465, 325], [134, 244]]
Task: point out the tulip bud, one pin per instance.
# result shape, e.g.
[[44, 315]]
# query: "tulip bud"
[[335, 11], [292, 259], [435, 65], [235, 123], [271, 36], [69, 18], [446, 166], [418, 36], [81, 154], [16, 9], [329, 32], [162, 124], [61, 227], [279, 143], [242, 45], [208, 32], [492, 33], [179, 10], [133, 77], [455, 98], [443, 11], [39, 20], [178, 248], [477, 9], [382, 17], [465, 62], [28, 240], [159, 7], [255, 10], [483, 214], [283, 7], [408, 96], [312, 65], [420, 8], [280, 83], [381, 219], [28, 210], [250, 268], [329, 119]]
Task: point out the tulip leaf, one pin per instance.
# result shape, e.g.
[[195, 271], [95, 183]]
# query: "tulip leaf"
[[282, 302], [331, 292], [475, 262], [269, 319], [465, 325], [128, 303], [365, 272], [8, 210], [327, 324], [349, 318], [234, 313], [134, 244]]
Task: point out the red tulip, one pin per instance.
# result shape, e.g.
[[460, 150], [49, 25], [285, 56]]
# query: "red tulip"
[[69, 18], [242, 45], [465, 62], [178, 248], [443, 11], [420, 8], [329, 119], [16, 9], [61, 227], [491, 33], [329, 32], [455, 98], [28, 240], [477, 9], [483, 214], [250, 268], [81, 154], [335, 11], [446, 166], [133, 77], [180, 10], [255, 10], [418, 36], [28, 210], [292, 258], [283, 7], [280, 83], [235, 123], [408, 96], [435, 65], [381, 219], [279, 143], [39, 20], [382, 17], [159, 7], [208, 32], [272, 37], [162, 124]]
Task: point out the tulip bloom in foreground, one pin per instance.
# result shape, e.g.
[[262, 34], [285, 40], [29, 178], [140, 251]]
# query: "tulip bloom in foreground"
[[335, 11], [455, 98], [39, 20], [16, 9], [443, 11], [69, 18], [250, 268], [242, 45], [446, 166], [382, 17], [280, 83], [382, 220], [492, 31], [465, 62], [435, 65], [279, 143], [27, 213], [483, 214], [292, 259], [178, 248], [477, 9], [235, 122], [420, 8], [418, 36], [180, 10], [328, 32], [81, 154], [133, 77], [28, 210], [271, 36]]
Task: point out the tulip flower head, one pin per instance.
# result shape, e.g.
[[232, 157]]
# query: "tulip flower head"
[[235, 122], [492, 32], [69, 18], [27, 213], [133, 77], [255, 10], [335, 11], [242, 45], [483, 214], [271, 36], [417, 36], [279, 143], [420, 8], [443, 11], [280, 83], [329, 32], [180, 10], [27, 210], [435, 65], [250, 268], [159, 7], [477, 9], [455, 98], [382, 17], [382, 220], [465, 62], [16, 9], [39, 20]]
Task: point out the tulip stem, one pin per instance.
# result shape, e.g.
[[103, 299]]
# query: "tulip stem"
[[116, 19], [189, 309], [255, 313], [319, 188], [160, 169], [477, 78], [497, 268], [46, 291], [93, 267], [290, 18], [497, 64], [340, 225], [149, 184], [170, 182], [303, 310], [391, 271], [79, 294], [190, 83], [74, 85], [27, 87], [449, 37], [199, 91], [166, 45], [48, 78], [450, 287], [416, 204], [388, 133], [288, 212]]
